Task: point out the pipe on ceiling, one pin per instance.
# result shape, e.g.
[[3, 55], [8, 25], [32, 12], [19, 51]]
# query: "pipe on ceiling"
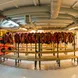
[[55, 8]]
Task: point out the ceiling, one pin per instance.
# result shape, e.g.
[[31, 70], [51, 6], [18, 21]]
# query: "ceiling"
[[42, 14]]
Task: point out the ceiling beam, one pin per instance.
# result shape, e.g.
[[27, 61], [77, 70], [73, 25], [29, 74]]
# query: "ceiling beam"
[[70, 11], [25, 10], [74, 4], [51, 25], [46, 18], [75, 20], [73, 24], [56, 20], [69, 26], [64, 16], [5, 3], [33, 14], [51, 28], [53, 22], [14, 4], [11, 1]]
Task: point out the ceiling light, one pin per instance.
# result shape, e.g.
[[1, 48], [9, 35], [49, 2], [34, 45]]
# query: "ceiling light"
[[23, 29], [73, 28], [32, 31], [13, 23], [40, 31]]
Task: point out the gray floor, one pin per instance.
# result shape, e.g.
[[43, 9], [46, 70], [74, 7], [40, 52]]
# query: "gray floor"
[[12, 72]]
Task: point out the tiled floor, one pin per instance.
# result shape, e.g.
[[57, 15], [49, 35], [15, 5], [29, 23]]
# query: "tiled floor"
[[12, 72]]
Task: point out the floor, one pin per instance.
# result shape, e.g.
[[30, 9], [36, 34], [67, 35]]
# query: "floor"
[[12, 72], [49, 70]]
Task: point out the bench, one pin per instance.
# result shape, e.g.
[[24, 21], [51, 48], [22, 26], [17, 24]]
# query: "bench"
[[41, 58], [17, 59], [54, 58]]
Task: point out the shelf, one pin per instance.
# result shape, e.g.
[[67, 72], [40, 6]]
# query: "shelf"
[[29, 58], [43, 52]]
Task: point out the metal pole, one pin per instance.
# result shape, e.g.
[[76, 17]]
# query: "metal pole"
[[35, 62], [39, 51], [74, 47]]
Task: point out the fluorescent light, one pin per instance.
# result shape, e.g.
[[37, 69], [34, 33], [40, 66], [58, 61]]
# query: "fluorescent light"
[[23, 29], [7, 25], [73, 28], [33, 31], [13, 23], [40, 31]]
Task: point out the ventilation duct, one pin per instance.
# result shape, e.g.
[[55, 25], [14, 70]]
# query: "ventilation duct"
[[55, 8]]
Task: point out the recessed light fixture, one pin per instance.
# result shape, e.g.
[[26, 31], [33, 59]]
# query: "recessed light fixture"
[[72, 28]]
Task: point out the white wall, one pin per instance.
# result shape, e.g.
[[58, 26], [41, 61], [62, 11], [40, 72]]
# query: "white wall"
[[76, 39]]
